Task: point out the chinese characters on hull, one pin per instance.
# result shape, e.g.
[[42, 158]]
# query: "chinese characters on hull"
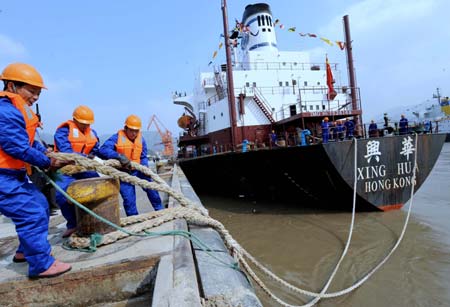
[[375, 175]]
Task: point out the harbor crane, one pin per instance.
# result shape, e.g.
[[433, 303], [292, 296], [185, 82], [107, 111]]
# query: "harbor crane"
[[166, 136]]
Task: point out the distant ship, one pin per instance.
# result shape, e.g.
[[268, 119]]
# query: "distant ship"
[[252, 128]]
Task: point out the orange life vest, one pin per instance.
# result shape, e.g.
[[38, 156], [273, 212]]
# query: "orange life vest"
[[132, 150], [81, 142], [31, 123]]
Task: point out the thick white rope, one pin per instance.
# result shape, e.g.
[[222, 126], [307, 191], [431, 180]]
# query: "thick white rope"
[[239, 252]]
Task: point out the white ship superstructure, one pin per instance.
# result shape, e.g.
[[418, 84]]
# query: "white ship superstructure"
[[270, 86]]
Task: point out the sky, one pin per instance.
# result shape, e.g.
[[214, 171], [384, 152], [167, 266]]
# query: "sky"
[[128, 57]]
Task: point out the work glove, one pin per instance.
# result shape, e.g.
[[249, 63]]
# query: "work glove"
[[124, 161]]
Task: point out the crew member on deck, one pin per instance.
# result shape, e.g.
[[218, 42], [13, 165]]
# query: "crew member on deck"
[[75, 136], [373, 129], [349, 128], [20, 200], [325, 130], [403, 125], [127, 146]]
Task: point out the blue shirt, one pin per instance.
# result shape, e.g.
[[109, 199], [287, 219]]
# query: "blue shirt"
[[14, 138], [108, 150], [63, 144]]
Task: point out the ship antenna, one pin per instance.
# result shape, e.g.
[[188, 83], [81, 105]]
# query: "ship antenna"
[[230, 83]]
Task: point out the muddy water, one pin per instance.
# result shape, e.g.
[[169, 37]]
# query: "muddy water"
[[303, 247]]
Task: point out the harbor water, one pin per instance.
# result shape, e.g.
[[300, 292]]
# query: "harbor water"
[[303, 246]]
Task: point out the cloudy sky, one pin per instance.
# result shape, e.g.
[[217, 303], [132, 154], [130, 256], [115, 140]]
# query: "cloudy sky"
[[124, 57]]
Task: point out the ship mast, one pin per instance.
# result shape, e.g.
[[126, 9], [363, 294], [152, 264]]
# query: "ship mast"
[[230, 83], [351, 69]]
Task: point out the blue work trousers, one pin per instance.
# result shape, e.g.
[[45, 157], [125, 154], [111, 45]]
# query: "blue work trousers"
[[68, 209], [128, 193], [27, 207]]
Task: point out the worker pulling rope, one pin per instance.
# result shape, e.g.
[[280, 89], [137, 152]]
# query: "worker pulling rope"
[[195, 214]]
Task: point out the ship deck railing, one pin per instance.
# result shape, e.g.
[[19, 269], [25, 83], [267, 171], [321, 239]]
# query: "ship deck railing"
[[281, 66]]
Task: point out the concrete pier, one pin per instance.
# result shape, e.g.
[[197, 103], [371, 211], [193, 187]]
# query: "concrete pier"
[[136, 271]]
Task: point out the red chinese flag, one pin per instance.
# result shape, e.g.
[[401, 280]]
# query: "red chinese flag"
[[331, 92]]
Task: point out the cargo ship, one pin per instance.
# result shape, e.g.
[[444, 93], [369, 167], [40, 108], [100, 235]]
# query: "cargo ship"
[[274, 126]]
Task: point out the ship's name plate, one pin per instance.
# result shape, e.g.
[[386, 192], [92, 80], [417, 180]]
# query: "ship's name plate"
[[377, 179]]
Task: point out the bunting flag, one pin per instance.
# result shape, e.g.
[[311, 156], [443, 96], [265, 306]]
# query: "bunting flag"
[[341, 44], [220, 45], [276, 22], [281, 26], [302, 34], [331, 92], [326, 40], [214, 54], [291, 29], [312, 35]]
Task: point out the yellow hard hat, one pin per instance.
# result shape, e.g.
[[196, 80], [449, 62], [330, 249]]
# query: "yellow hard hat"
[[84, 115], [326, 118], [133, 122], [23, 73]]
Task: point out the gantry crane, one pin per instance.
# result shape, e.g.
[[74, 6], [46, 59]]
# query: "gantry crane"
[[166, 136]]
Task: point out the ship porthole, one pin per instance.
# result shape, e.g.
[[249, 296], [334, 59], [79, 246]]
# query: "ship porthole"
[[214, 117], [221, 114]]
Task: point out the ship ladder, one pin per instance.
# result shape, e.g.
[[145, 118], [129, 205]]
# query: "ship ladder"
[[263, 105]]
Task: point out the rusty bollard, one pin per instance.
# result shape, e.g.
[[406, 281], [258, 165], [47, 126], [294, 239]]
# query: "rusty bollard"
[[101, 195]]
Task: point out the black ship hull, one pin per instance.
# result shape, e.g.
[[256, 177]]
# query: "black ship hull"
[[321, 176]]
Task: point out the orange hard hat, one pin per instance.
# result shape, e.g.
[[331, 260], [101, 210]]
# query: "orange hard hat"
[[133, 122], [84, 115], [23, 73]]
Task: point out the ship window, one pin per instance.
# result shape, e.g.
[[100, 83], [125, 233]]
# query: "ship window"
[[305, 83], [264, 29], [270, 20], [268, 29], [323, 107], [295, 63], [259, 21], [311, 108], [284, 63], [214, 117], [221, 114], [267, 20], [262, 20], [287, 83], [318, 83], [254, 84], [294, 82], [317, 107], [247, 84], [280, 83]]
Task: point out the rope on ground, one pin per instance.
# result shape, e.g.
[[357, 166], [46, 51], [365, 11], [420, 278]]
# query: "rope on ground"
[[191, 213]]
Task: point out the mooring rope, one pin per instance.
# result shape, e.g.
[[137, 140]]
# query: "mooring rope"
[[192, 213]]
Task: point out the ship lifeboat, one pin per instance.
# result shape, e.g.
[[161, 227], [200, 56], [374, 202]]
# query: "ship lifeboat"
[[185, 121]]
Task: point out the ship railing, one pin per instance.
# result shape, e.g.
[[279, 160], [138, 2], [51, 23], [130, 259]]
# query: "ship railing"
[[392, 128], [282, 66]]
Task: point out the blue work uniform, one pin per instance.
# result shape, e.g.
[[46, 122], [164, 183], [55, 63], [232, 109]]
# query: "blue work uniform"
[[325, 131], [20, 199], [63, 144], [403, 126], [349, 128], [128, 192]]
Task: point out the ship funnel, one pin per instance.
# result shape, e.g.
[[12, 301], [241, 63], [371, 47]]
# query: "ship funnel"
[[261, 31]]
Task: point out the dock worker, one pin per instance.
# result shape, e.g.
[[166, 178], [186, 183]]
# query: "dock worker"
[[128, 145], [403, 125], [373, 129], [273, 139], [20, 199], [349, 128], [75, 136], [325, 130], [340, 130]]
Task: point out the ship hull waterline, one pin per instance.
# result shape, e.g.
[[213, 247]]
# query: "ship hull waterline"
[[320, 176]]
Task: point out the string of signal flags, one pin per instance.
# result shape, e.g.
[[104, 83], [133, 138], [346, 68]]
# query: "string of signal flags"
[[241, 28]]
